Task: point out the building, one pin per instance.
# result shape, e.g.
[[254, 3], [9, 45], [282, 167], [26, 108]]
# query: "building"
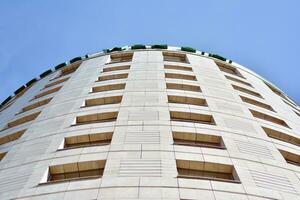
[[149, 122]]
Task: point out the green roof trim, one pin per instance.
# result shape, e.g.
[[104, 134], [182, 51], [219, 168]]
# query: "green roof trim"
[[115, 49], [60, 66], [159, 46], [19, 90], [188, 49], [49, 71], [75, 59], [217, 57], [6, 100], [32, 81], [138, 46]]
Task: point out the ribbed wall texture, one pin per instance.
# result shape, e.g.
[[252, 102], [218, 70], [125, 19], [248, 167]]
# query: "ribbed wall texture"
[[150, 124]]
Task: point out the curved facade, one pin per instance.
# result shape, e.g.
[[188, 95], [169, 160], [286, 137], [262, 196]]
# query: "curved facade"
[[146, 122]]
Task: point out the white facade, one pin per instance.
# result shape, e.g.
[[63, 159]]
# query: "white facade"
[[141, 160]]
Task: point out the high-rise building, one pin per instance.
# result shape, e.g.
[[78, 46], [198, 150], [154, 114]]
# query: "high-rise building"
[[149, 122]]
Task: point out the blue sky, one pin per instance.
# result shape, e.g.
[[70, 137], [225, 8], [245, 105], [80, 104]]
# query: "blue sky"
[[263, 35]]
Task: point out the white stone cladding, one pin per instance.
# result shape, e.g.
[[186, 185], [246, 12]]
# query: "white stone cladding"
[[141, 158]]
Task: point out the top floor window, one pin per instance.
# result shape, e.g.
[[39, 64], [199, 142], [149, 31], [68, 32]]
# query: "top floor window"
[[229, 69], [175, 57], [121, 57]]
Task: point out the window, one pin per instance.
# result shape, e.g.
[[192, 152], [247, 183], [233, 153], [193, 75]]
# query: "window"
[[112, 77], [103, 101], [2, 155], [241, 89], [75, 171], [109, 87], [122, 57], [97, 118], [282, 136], [198, 140], [206, 170], [35, 105], [256, 103], [290, 158], [238, 81], [11, 137], [23, 120], [117, 68], [177, 67], [268, 118], [186, 87], [180, 76], [47, 92], [94, 139], [69, 69], [229, 69], [187, 100], [56, 82], [191, 117], [175, 57]]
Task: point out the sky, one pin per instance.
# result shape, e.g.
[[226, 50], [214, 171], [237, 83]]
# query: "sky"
[[262, 35]]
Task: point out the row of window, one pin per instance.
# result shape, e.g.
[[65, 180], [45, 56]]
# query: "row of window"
[[197, 169], [238, 88], [73, 171], [191, 139], [288, 156], [185, 168], [252, 101], [232, 70], [91, 169], [16, 135], [212, 141], [19, 92], [258, 114], [178, 57], [168, 56], [241, 89], [32, 116], [180, 138]]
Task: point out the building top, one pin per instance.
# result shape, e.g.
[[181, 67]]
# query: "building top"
[[137, 47]]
